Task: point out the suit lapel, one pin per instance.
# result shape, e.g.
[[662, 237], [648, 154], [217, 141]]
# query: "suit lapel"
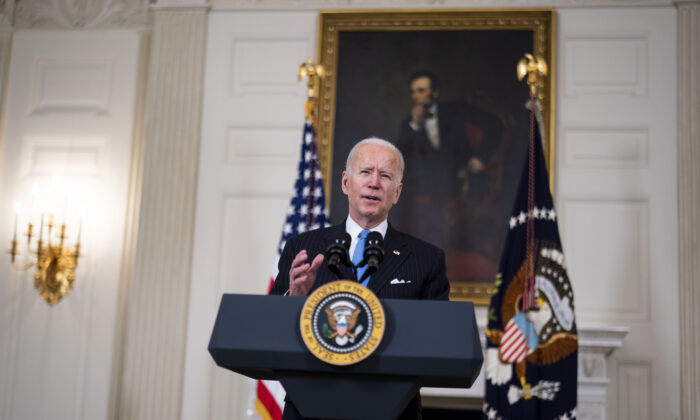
[[395, 252]]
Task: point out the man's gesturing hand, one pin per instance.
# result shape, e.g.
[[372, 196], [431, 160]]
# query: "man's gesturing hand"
[[302, 275]]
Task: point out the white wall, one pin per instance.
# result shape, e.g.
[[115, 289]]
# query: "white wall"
[[616, 194], [70, 112], [251, 138]]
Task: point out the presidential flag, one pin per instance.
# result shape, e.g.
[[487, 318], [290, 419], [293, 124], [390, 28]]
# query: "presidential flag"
[[307, 211], [532, 345]]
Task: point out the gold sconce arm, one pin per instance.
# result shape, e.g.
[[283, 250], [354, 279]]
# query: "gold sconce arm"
[[14, 250]]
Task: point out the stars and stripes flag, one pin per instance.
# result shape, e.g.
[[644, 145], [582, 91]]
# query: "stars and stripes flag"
[[307, 211], [532, 344]]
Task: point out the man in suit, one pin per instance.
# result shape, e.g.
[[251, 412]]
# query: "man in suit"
[[447, 146], [372, 182]]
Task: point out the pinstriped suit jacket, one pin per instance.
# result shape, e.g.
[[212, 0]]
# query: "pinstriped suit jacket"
[[419, 264]]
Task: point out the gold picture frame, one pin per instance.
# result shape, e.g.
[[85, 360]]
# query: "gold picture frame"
[[368, 57]]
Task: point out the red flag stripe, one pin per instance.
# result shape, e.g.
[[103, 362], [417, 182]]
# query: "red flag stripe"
[[517, 353], [268, 402], [512, 335], [513, 344], [516, 335], [511, 328], [516, 347], [521, 355]]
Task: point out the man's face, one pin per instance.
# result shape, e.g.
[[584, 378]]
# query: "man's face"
[[372, 185], [422, 93]]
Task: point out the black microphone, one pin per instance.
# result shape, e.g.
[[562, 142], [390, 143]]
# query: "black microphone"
[[337, 253], [373, 255]]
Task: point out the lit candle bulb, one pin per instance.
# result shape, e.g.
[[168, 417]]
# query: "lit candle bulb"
[[54, 203], [35, 195], [41, 226], [81, 214], [80, 228], [66, 200], [18, 209]]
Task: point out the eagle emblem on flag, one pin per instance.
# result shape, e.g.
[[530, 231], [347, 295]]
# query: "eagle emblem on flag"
[[541, 336]]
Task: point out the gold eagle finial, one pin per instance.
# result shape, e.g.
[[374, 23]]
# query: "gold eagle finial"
[[535, 68], [313, 72]]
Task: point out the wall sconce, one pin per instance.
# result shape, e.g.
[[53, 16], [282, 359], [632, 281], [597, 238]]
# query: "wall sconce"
[[55, 262]]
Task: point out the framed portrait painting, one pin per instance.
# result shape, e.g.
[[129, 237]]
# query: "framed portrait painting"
[[441, 86]]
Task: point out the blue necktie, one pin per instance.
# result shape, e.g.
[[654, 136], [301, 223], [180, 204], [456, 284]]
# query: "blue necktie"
[[358, 254]]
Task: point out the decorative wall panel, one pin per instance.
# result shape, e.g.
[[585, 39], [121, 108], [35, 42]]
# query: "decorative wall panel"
[[261, 145], [71, 84], [634, 391], [241, 271], [606, 148], [252, 73], [59, 154], [606, 65], [609, 241]]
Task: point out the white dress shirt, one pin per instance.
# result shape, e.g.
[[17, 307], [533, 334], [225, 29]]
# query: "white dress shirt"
[[354, 230], [430, 124]]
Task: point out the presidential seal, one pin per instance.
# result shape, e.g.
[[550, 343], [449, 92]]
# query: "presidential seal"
[[342, 323]]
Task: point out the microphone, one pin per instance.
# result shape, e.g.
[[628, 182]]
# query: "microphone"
[[337, 253], [373, 255]]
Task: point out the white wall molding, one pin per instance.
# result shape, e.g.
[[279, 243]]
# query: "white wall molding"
[[596, 345], [634, 390], [5, 52], [181, 5], [609, 64], [72, 84], [606, 147], [61, 355], [249, 78], [688, 203], [154, 342], [617, 201], [7, 10], [418, 4], [81, 14], [616, 286], [132, 221]]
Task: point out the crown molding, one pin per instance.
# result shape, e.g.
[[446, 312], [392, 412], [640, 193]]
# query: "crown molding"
[[182, 5], [422, 4], [82, 14]]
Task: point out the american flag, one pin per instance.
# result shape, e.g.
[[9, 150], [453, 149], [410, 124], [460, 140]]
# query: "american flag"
[[307, 211]]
